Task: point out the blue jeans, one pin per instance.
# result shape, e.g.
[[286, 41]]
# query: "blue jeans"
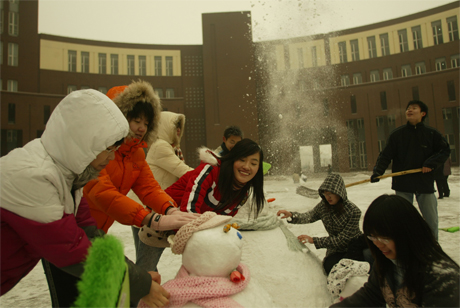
[[147, 257], [428, 205]]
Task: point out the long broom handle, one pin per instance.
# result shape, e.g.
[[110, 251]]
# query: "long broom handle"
[[387, 176]]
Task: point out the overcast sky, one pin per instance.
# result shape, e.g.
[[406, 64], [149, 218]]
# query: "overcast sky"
[[179, 21]]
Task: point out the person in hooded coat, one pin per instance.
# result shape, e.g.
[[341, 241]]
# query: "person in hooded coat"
[[165, 156], [340, 218], [107, 194], [41, 213]]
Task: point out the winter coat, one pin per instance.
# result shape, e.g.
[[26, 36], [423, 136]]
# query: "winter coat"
[[129, 170], [440, 289], [38, 209], [222, 150], [341, 227], [166, 167], [197, 192], [412, 147]]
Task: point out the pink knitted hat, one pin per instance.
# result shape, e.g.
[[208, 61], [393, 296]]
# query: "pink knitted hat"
[[207, 220]]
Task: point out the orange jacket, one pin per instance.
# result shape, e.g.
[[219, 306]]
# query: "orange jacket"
[[107, 194]]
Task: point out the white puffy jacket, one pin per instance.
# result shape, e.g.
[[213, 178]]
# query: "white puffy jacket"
[[36, 180]]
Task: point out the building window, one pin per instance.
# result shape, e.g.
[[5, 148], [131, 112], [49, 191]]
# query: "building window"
[[72, 60], [454, 61], [420, 68], [357, 78], [437, 32], [381, 144], [374, 76], [1, 52], [300, 57], [325, 107], [314, 59], [403, 45], [384, 44], [71, 88], [344, 80], [354, 108], [142, 66], [85, 62], [102, 63], [12, 86], [13, 139], [354, 50], [169, 66], [159, 92], [13, 54], [417, 37], [452, 28], [287, 58], [46, 113], [362, 154], [387, 74], [343, 52], [1, 17], [372, 47], [103, 90], [11, 113], [130, 64], [440, 64], [383, 100], [415, 95], [169, 93], [406, 70], [451, 90], [114, 64], [157, 66], [85, 87], [13, 23]]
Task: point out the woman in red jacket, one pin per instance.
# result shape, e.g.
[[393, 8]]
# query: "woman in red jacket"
[[129, 170], [222, 185]]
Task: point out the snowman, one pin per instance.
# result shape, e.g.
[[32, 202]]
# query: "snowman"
[[211, 274]]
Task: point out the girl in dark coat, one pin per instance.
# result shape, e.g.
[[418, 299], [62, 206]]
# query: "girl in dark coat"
[[410, 267]]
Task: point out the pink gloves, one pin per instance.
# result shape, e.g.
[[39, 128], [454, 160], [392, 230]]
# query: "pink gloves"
[[173, 221]]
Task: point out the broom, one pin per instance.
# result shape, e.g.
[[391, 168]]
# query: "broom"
[[387, 176]]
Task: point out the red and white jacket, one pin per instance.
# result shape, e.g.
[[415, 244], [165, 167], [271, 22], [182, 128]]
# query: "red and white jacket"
[[197, 192]]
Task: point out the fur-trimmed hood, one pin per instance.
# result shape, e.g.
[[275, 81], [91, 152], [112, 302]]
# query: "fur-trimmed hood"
[[140, 91], [208, 156], [167, 130]]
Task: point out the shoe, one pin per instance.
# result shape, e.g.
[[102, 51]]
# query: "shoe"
[[447, 195], [440, 197]]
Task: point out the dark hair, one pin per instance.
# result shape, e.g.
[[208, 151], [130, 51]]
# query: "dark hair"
[[142, 109], [396, 218], [233, 131], [422, 105], [244, 148]]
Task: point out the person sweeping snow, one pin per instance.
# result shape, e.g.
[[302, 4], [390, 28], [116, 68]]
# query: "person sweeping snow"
[[339, 216]]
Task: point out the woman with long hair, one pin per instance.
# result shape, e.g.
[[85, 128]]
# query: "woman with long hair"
[[223, 184], [410, 267]]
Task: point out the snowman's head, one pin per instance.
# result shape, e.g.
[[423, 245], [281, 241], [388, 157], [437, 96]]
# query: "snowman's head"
[[213, 252], [208, 246]]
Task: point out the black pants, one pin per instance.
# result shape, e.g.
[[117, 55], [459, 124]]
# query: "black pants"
[[443, 187], [355, 251], [62, 286]]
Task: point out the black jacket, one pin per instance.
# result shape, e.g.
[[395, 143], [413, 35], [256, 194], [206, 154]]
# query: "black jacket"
[[440, 289], [412, 147]]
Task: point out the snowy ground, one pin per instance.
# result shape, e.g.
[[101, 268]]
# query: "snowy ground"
[[32, 291]]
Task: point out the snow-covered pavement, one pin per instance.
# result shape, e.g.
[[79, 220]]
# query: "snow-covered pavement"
[[32, 291]]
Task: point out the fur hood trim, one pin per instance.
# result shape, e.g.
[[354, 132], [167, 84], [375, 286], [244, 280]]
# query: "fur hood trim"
[[208, 156], [168, 127], [140, 91]]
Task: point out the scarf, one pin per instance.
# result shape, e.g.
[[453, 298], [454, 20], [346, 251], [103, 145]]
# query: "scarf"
[[207, 292]]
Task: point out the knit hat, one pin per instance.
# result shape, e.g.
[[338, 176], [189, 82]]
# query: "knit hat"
[[113, 92], [207, 220]]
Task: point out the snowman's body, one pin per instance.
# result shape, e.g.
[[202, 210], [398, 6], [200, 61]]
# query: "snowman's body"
[[215, 253]]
